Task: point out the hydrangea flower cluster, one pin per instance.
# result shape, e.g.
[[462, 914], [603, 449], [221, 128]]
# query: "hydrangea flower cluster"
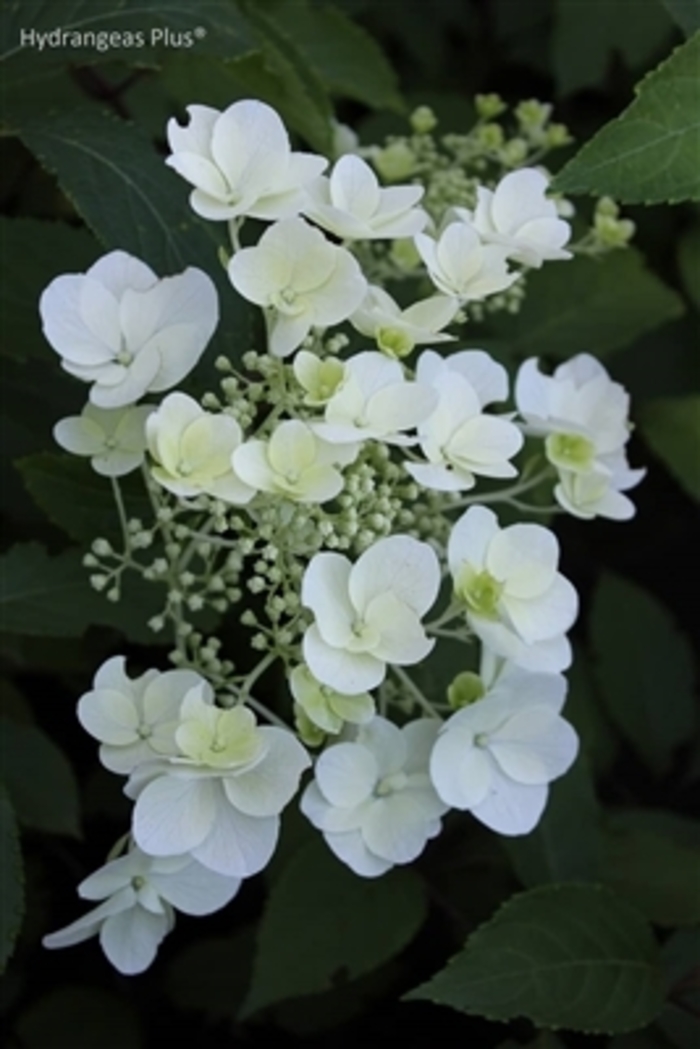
[[328, 478]]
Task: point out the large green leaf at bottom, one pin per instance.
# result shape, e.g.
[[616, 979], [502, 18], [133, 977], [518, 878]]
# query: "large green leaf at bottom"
[[649, 154], [574, 956], [324, 925]]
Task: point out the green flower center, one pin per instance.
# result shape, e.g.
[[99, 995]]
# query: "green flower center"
[[480, 591], [394, 342], [570, 451]]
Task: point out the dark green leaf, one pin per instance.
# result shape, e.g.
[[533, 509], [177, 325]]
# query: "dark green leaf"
[[323, 926], [645, 670], [573, 306], [31, 251], [583, 46], [39, 779], [281, 75], [73, 1017], [131, 200], [77, 499], [572, 956], [336, 48], [686, 13], [653, 869], [649, 154], [671, 425], [565, 845], [11, 879], [43, 596]]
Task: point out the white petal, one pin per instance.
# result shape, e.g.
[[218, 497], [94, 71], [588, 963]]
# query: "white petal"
[[87, 340], [486, 376], [532, 390], [118, 271], [325, 591], [266, 788], [131, 939], [402, 638], [238, 845], [173, 815], [350, 848], [535, 746], [387, 742], [346, 672], [354, 187], [346, 774], [183, 314], [401, 565], [195, 889], [512, 808], [79, 435], [400, 407], [471, 537], [525, 556], [520, 195], [90, 923], [461, 772], [109, 716], [440, 478], [393, 830], [546, 616], [328, 817]]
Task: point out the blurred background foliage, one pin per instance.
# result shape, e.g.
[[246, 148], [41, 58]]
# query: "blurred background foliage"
[[308, 952]]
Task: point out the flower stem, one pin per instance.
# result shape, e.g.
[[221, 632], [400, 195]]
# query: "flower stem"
[[416, 693]]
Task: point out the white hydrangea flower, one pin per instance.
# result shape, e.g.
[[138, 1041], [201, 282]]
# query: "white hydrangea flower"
[[294, 463], [300, 279], [375, 401], [240, 162], [134, 718], [599, 493], [352, 205], [140, 896], [458, 439], [320, 378], [125, 331], [373, 800], [324, 707], [192, 450], [517, 602], [220, 798], [517, 216], [397, 331], [114, 438], [580, 411], [368, 614], [497, 756], [461, 265], [583, 416]]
